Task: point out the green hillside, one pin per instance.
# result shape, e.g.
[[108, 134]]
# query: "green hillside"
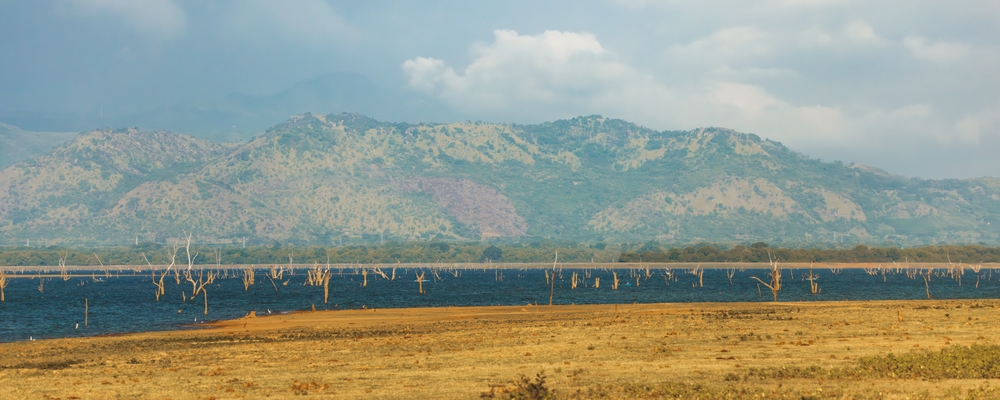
[[348, 178]]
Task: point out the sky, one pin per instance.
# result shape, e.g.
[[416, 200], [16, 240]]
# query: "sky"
[[910, 86]]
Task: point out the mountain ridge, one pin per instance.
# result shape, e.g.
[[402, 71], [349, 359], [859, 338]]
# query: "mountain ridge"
[[17, 144], [330, 178], [238, 116]]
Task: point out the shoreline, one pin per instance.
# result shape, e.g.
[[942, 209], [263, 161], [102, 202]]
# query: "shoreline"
[[366, 317], [500, 266], [422, 315]]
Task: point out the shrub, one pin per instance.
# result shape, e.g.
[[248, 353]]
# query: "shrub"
[[524, 388]]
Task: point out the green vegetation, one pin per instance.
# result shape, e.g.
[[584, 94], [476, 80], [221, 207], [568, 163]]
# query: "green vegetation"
[[760, 252], [439, 252], [682, 390], [522, 388], [953, 362], [335, 179]]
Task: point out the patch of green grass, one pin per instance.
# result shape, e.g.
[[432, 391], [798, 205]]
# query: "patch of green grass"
[[680, 390], [955, 362]]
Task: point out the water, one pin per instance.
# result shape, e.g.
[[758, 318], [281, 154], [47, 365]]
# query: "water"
[[127, 303]]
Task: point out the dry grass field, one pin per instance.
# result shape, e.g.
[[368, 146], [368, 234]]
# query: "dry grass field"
[[691, 350]]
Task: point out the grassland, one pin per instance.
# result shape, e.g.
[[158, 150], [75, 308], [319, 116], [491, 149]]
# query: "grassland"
[[717, 350]]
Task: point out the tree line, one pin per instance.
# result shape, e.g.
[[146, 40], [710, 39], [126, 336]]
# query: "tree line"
[[440, 252], [761, 252]]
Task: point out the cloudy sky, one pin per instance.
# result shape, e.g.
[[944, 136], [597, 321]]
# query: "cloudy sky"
[[910, 86]]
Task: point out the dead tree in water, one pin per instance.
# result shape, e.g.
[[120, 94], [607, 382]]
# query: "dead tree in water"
[[277, 272], [552, 288], [249, 278], [320, 276], [326, 284], [62, 265], [160, 290], [614, 285], [813, 286], [187, 249], [158, 283], [775, 284], [420, 281], [3, 283], [199, 285], [927, 282], [700, 273]]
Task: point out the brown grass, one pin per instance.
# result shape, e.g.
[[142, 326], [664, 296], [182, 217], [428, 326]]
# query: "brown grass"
[[610, 351]]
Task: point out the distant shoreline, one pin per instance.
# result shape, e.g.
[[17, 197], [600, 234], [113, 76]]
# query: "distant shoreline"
[[512, 266]]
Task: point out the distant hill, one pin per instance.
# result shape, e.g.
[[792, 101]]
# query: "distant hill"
[[18, 145], [326, 179]]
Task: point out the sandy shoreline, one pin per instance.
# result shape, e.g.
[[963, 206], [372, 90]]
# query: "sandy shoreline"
[[22, 271], [461, 352]]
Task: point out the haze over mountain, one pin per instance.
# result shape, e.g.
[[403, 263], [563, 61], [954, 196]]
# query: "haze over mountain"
[[18, 145], [238, 116], [347, 177]]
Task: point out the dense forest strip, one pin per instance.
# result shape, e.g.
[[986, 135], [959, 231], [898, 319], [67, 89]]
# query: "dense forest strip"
[[518, 256]]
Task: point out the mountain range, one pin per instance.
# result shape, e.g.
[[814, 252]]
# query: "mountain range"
[[348, 178], [239, 116]]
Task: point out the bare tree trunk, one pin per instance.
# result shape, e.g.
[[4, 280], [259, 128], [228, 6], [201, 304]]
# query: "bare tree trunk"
[[552, 287], [3, 284], [420, 282]]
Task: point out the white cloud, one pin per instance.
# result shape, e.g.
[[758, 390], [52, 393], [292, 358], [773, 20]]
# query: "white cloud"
[[942, 52], [747, 100], [860, 31], [725, 46], [853, 34], [518, 72], [556, 74], [978, 126], [161, 19]]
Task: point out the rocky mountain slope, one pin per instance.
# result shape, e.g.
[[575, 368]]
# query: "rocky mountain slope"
[[327, 179]]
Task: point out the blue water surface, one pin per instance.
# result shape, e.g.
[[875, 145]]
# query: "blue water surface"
[[124, 302]]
